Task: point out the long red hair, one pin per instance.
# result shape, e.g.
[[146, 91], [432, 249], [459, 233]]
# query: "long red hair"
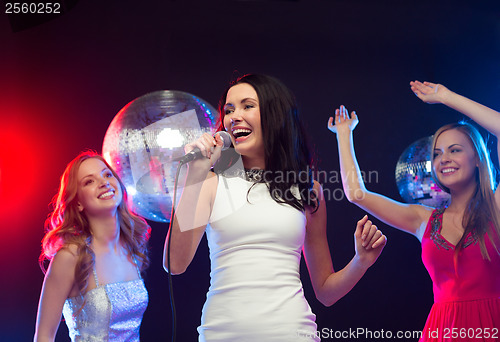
[[66, 225]]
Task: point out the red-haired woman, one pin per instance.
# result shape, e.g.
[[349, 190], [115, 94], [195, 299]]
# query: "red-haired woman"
[[97, 249]]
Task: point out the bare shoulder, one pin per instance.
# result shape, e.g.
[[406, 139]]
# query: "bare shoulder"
[[66, 257], [424, 212], [211, 178], [317, 185], [59, 282], [318, 189], [317, 214], [61, 272]]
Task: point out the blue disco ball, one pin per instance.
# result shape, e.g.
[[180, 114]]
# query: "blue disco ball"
[[143, 140], [414, 178]]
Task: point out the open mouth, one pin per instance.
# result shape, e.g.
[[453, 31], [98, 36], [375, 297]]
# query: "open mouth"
[[240, 134], [448, 170], [107, 194]]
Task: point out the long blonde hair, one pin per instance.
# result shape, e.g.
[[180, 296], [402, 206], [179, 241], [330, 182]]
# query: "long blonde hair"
[[481, 213], [66, 226]]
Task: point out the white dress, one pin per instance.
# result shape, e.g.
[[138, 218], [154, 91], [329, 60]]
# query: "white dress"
[[255, 290]]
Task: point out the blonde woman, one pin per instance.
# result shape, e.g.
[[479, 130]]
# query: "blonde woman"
[[460, 243]]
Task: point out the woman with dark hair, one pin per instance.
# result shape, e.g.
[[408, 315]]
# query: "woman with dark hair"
[[97, 249], [460, 243], [258, 220]]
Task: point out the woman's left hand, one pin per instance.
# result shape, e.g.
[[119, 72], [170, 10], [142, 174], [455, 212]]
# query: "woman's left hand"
[[369, 241]]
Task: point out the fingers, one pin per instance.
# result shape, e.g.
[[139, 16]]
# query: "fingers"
[[205, 143], [360, 226], [417, 86], [344, 113], [215, 150], [371, 236], [380, 242], [369, 231], [424, 88], [219, 142], [208, 144], [342, 116], [420, 90], [375, 239]]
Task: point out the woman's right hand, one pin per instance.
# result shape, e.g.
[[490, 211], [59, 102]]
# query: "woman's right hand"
[[194, 207], [343, 122], [210, 147], [429, 92]]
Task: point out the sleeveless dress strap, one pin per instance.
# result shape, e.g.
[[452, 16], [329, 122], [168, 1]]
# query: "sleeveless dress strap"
[[137, 266], [95, 276]]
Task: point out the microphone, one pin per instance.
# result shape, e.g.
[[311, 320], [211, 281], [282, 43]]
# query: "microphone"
[[196, 153]]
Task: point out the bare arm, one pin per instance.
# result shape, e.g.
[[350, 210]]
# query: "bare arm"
[[407, 217], [438, 93], [482, 115], [329, 286], [57, 286], [194, 208]]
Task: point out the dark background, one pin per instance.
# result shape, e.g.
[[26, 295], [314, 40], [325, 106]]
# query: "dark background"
[[63, 80]]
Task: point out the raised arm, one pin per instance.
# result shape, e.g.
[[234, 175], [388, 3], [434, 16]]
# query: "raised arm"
[[437, 93], [329, 286], [407, 217], [486, 117], [194, 208], [58, 285]]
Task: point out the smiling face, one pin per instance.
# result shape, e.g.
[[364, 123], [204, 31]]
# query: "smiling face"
[[242, 121], [98, 189], [454, 160]]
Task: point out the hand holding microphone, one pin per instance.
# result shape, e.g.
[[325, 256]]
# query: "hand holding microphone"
[[206, 146]]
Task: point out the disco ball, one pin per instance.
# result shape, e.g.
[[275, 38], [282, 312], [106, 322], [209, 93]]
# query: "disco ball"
[[143, 140], [413, 176]]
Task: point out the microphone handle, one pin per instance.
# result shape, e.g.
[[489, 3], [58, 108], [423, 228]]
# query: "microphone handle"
[[196, 152]]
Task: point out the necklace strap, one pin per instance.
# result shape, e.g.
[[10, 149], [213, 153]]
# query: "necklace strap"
[[254, 175], [251, 175]]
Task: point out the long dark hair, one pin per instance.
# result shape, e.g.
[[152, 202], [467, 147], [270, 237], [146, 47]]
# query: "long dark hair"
[[481, 215], [288, 159]]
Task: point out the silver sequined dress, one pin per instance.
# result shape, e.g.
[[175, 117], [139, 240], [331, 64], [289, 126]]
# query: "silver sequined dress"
[[112, 312]]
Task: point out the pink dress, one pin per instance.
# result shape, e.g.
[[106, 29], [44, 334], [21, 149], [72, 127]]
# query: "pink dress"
[[466, 298]]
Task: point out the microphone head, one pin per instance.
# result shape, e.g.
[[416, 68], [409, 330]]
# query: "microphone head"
[[226, 138]]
